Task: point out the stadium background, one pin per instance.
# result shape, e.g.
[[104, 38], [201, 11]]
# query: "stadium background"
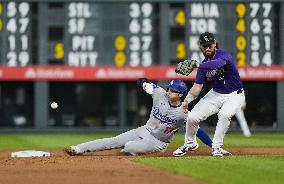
[[87, 55]]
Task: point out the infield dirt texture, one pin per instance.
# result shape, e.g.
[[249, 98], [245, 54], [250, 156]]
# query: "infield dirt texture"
[[104, 167]]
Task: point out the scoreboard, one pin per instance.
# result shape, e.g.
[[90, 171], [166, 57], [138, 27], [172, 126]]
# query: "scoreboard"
[[78, 34], [15, 33], [49, 47], [107, 34], [246, 30], [127, 33]]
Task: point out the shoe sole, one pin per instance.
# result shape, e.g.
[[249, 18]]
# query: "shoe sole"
[[217, 155], [70, 152], [227, 154], [192, 149], [179, 155]]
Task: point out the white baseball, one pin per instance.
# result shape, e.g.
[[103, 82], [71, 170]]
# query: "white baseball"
[[53, 105]]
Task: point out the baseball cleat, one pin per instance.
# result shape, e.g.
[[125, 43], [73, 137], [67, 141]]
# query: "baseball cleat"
[[247, 134], [217, 152], [183, 150], [225, 152], [73, 151]]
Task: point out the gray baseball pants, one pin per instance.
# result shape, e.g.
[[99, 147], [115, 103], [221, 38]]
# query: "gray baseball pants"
[[134, 141]]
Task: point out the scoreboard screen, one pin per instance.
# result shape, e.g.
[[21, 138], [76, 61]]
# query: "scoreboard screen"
[[246, 30], [95, 33], [108, 34], [15, 33]]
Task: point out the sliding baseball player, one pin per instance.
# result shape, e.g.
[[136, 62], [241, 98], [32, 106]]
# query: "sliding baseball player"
[[165, 120]]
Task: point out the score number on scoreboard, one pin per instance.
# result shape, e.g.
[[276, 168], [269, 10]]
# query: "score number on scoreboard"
[[15, 30], [255, 21], [139, 37]]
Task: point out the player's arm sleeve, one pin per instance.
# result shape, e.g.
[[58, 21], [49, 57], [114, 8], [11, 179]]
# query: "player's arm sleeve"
[[157, 90], [200, 78], [213, 64], [158, 93]]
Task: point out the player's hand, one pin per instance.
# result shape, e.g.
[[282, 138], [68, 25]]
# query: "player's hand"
[[184, 106], [148, 87]]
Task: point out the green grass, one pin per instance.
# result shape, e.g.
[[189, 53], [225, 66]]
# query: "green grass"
[[225, 170], [238, 140], [52, 141], [49, 141]]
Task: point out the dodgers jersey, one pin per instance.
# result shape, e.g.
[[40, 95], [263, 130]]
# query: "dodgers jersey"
[[221, 71], [165, 119]]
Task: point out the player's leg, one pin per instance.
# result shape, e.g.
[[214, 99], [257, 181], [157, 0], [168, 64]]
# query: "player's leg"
[[231, 105], [243, 122], [204, 137], [207, 106], [147, 144], [107, 143]]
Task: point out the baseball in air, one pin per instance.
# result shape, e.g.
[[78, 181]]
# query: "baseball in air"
[[53, 105]]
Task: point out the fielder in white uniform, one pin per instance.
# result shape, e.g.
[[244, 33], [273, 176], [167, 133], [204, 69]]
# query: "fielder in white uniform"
[[225, 97], [165, 120], [240, 116]]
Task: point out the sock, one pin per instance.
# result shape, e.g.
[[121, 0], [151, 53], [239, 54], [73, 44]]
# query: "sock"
[[204, 137]]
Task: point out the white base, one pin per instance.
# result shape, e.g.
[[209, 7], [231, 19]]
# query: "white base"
[[30, 153]]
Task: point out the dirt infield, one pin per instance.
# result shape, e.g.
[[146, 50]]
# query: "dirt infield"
[[105, 167]]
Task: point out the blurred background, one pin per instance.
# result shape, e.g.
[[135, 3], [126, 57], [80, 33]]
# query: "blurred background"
[[87, 55]]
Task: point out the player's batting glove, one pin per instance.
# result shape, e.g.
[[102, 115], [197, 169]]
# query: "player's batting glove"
[[186, 67], [140, 81]]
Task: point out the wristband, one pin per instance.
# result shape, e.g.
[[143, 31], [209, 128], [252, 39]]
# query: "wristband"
[[189, 98]]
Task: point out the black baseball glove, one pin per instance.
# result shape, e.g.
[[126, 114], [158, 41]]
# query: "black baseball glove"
[[186, 67]]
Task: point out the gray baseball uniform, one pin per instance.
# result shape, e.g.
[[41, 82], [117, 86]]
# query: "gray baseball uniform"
[[164, 122]]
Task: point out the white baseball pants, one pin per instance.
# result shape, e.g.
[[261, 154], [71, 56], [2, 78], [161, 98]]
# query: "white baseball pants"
[[226, 105], [242, 120]]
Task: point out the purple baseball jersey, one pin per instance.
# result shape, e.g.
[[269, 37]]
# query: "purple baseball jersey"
[[221, 71]]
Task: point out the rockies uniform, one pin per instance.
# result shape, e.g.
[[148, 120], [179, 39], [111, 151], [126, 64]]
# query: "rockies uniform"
[[225, 97]]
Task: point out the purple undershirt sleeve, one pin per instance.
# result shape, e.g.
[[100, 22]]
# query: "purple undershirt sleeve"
[[213, 64]]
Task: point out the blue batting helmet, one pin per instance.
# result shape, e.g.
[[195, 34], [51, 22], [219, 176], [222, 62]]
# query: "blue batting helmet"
[[177, 86]]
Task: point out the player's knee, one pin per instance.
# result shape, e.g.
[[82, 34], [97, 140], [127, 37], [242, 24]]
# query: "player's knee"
[[225, 115], [193, 118], [130, 147]]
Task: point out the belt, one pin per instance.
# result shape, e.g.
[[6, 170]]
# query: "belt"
[[240, 91]]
